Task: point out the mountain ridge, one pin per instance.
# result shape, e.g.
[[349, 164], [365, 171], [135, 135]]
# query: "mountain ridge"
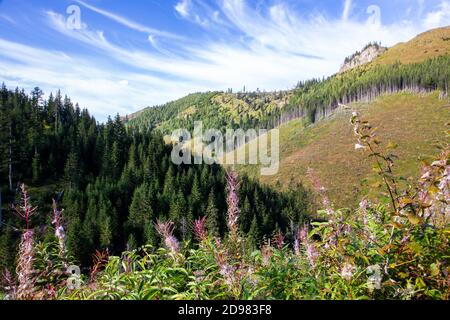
[[272, 108]]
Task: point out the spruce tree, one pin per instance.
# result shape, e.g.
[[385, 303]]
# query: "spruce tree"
[[246, 216], [212, 214], [72, 172], [140, 213], [254, 232], [195, 198]]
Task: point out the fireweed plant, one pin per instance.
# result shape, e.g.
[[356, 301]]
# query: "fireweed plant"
[[395, 249]]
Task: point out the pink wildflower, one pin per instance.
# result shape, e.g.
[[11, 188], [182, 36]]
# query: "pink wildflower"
[[312, 254], [60, 233], [8, 284], [233, 202], [200, 230], [25, 210], [278, 238], [24, 269], [266, 253], [165, 230], [347, 271]]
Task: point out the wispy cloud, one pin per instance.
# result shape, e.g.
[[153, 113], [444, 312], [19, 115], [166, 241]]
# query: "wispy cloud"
[[438, 17], [182, 8], [7, 18], [275, 50], [100, 87], [185, 8], [347, 8], [270, 48], [129, 23]]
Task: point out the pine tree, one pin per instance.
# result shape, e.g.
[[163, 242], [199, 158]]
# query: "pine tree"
[[254, 233], [105, 229], [75, 245], [115, 160], [195, 198], [150, 236], [246, 216], [140, 213], [131, 243], [181, 215], [36, 168], [107, 222], [170, 187], [212, 214], [72, 172], [178, 207], [4, 121], [7, 250], [90, 232]]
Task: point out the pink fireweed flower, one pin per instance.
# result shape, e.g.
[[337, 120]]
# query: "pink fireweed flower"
[[25, 259], [312, 254], [24, 210], [229, 274], [165, 230], [296, 245], [24, 270], [347, 271], [200, 230], [363, 205], [227, 271], [278, 239], [233, 202], [57, 221], [436, 199], [363, 208], [266, 253], [300, 237], [9, 284], [303, 234]]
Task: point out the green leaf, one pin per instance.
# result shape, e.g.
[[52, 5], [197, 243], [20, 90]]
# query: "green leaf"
[[414, 219]]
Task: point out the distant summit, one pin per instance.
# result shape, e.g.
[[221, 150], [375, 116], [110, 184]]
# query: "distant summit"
[[367, 55]]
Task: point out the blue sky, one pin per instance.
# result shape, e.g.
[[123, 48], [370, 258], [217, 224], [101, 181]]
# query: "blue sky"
[[116, 56]]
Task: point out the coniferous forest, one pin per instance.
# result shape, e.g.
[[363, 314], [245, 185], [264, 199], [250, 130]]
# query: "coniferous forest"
[[115, 183]]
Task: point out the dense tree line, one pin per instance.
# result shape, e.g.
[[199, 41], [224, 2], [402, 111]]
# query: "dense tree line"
[[114, 183], [317, 98]]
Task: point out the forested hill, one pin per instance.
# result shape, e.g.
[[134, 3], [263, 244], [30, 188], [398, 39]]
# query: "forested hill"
[[114, 184], [419, 65], [215, 109]]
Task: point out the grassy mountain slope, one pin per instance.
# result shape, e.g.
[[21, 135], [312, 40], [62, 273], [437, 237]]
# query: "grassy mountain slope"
[[413, 122], [430, 44]]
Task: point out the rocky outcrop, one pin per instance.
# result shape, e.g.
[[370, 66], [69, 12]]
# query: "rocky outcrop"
[[367, 55]]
